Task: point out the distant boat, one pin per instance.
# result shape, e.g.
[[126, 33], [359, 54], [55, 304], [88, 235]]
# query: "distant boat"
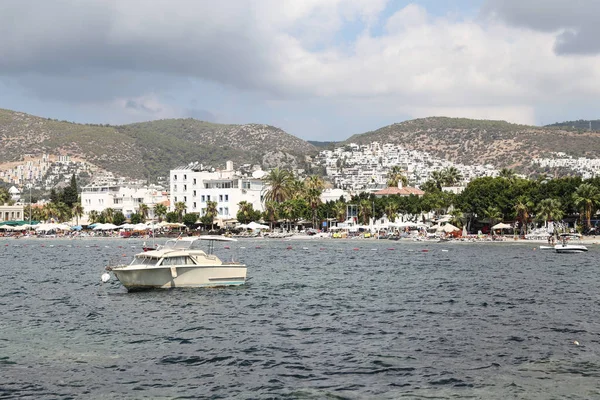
[[566, 244]]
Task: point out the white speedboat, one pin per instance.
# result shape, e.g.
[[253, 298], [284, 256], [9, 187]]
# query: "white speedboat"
[[180, 263], [570, 243]]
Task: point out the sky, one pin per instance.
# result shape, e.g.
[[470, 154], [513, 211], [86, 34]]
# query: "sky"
[[319, 69]]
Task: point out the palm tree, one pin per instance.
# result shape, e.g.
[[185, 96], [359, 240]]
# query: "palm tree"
[[396, 175], [180, 208], [143, 210], [271, 212], [244, 214], [313, 188], [93, 216], [549, 210], [451, 176], [160, 210], [278, 183], [340, 210], [365, 210], [438, 178], [109, 215], [4, 196], [493, 214], [522, 207], [210, 211], [587, 198], [77, 211], [507, 173], [391, 210]]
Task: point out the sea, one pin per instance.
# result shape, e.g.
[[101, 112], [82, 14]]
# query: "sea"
[[319, 319]]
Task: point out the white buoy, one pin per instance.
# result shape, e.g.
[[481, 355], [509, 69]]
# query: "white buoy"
[[576, 343], [105, 277]]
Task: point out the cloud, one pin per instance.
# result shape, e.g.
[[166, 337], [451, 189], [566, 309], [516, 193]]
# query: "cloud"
[[148, 60], [574, 23]]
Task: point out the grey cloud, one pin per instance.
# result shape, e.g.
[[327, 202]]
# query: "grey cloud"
[[574, 21], [70, 40]]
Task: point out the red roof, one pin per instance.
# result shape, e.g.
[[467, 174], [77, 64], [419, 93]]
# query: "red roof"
[[403, 191]]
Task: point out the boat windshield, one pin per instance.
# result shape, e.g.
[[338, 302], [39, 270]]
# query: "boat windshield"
[[178, 244], [141, 260]]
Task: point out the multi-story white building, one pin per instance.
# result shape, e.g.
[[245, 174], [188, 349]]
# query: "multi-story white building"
[[121, 198], [195, 186]]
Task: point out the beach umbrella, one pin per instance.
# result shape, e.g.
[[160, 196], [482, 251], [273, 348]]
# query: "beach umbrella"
[[448, 228], [501, 225]]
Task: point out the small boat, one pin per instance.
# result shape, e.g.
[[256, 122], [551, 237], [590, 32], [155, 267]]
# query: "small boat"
[[570, 243], [180, 263], [546, 247]]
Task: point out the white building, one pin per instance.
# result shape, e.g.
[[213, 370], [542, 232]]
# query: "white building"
[[11, 213], [121, 198], [195, 187]]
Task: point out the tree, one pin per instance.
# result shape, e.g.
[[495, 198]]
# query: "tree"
[[396, 175], [180, 208], [340, 210], [118, 218], [587, 199], [278, 183], [136, 218], [507, 173], [522, 207], [549, 210], [160, 210], [93, 216], [451, 176], [271, 212], [4, 196], [172, 217], [108, 215], [438, 178], [210, 212], [245, 213], [143, 210], [391, 210], [54, 196], [77, 211], [493, 214], [313, 189], [190, 219], [70, 193], [365, 210]]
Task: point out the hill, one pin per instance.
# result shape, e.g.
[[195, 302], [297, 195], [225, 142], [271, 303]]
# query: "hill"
[[469, 141], [150, 149], [581, 124]]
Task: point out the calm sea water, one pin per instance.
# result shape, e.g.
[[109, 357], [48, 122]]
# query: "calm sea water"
[[324, 319]]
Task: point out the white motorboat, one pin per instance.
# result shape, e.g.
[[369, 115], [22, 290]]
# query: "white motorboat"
[[180, 263], [570, 243]]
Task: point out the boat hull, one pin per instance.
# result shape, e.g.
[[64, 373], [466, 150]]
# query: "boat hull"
[[185, 276], [570, 249]]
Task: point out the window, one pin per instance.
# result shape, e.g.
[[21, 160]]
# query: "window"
[[184, 177], [194, 205], [226, 210], [220, 197], [174, 188], [246, 185], [208, 197], [185, 188], [194, 181], [174, 177], [226, 197], [185, 199], [194, 193], [175, 199], [220, 210], [202, 198]]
